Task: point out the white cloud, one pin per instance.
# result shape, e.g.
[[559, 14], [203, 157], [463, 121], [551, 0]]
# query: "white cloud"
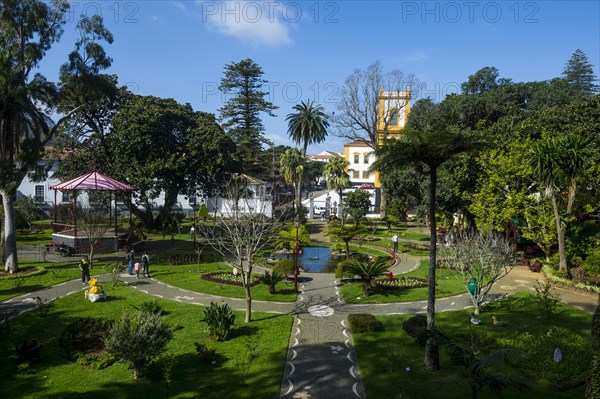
[[181, 6], [417, 56], [250, 22]]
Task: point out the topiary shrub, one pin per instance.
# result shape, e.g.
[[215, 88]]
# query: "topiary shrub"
[[137, 339], [416, 327], [220, 320], [364, 323]]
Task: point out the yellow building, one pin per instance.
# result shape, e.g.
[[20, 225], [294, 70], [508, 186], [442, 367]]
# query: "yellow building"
[[392, 113]]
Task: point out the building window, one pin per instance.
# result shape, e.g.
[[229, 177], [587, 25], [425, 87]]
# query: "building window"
[[355, 174], [192, 200], [65, 196], [366, 158], [356, 158], [366, 174], [393, 117], [39, 194]]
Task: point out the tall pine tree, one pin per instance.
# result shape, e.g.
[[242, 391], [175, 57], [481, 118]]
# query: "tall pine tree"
[[240, 115], [579, 73]]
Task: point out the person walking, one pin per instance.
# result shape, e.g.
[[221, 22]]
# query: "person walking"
[[395, 241], [145, 264], [84, 266], [130, 261]]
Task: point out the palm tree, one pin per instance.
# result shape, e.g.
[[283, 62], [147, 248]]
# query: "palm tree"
[[287, 237], [557, 163], [337, 177], [308, 125], [292, 168], [367, 270], [432, 149]]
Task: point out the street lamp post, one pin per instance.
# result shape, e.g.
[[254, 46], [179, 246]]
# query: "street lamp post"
[[296, 250]]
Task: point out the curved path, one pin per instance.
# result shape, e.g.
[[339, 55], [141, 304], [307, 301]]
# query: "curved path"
[[321, 362]]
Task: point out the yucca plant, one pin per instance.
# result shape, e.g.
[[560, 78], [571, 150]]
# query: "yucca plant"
[[366, 269], [220, 320], [271, 279]]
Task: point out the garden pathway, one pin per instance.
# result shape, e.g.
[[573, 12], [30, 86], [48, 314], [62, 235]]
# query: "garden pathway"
[[321, 362]]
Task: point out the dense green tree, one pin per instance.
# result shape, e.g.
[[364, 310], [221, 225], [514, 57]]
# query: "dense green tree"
[[579, 74], [430, 149], [29, 28], [337, 177], [162, 146], [242, 83], [358, 203], [292, 170], [313, 172]]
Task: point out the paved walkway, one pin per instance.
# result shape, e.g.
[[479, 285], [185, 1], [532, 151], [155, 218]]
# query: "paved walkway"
[[321, 362]]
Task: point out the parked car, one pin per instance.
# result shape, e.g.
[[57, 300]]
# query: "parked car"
[[367, 187], [320, 211]]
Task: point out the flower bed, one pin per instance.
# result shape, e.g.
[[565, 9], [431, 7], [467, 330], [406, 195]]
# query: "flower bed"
[[229, 278], [400, 283]]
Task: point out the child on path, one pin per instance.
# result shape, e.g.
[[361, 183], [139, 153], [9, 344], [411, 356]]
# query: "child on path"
[[84, 266]]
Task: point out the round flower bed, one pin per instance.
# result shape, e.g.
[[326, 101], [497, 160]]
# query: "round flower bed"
[[229, 278], [27, 271], [400, 283]]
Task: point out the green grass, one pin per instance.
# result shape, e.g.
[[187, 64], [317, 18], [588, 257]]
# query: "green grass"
[[188, 277], [447, 285], [192, 377], [55, 273], [34, 237], [384, 356]]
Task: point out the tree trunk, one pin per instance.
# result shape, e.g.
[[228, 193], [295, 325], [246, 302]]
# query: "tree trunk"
[[246, 277], [382, 203], [298, 197], [432, 354], [560, 233], [11, 263]]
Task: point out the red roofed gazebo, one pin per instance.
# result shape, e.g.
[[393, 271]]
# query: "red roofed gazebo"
[[90, 181]]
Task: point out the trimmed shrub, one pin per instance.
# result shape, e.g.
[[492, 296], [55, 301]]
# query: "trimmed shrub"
[[416, 327], [220, 320], [229, 278], [137, 339], [364, 323]]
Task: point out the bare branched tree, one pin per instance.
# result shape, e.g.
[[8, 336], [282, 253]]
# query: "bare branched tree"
[[244, 228], [358, 105], [359, 108], [478, 260], [94, 223]]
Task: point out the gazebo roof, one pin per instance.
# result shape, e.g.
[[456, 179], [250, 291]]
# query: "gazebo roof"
[[93, 181]]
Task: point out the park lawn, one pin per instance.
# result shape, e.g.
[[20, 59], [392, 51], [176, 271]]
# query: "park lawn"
[[192, 377], [447, 285], [34, 237], [54, 273], [188, 277], [384, 356]]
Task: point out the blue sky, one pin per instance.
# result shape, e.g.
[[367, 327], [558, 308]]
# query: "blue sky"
[[178, 49]]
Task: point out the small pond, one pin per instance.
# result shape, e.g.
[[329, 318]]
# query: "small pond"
[[315, 259]]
